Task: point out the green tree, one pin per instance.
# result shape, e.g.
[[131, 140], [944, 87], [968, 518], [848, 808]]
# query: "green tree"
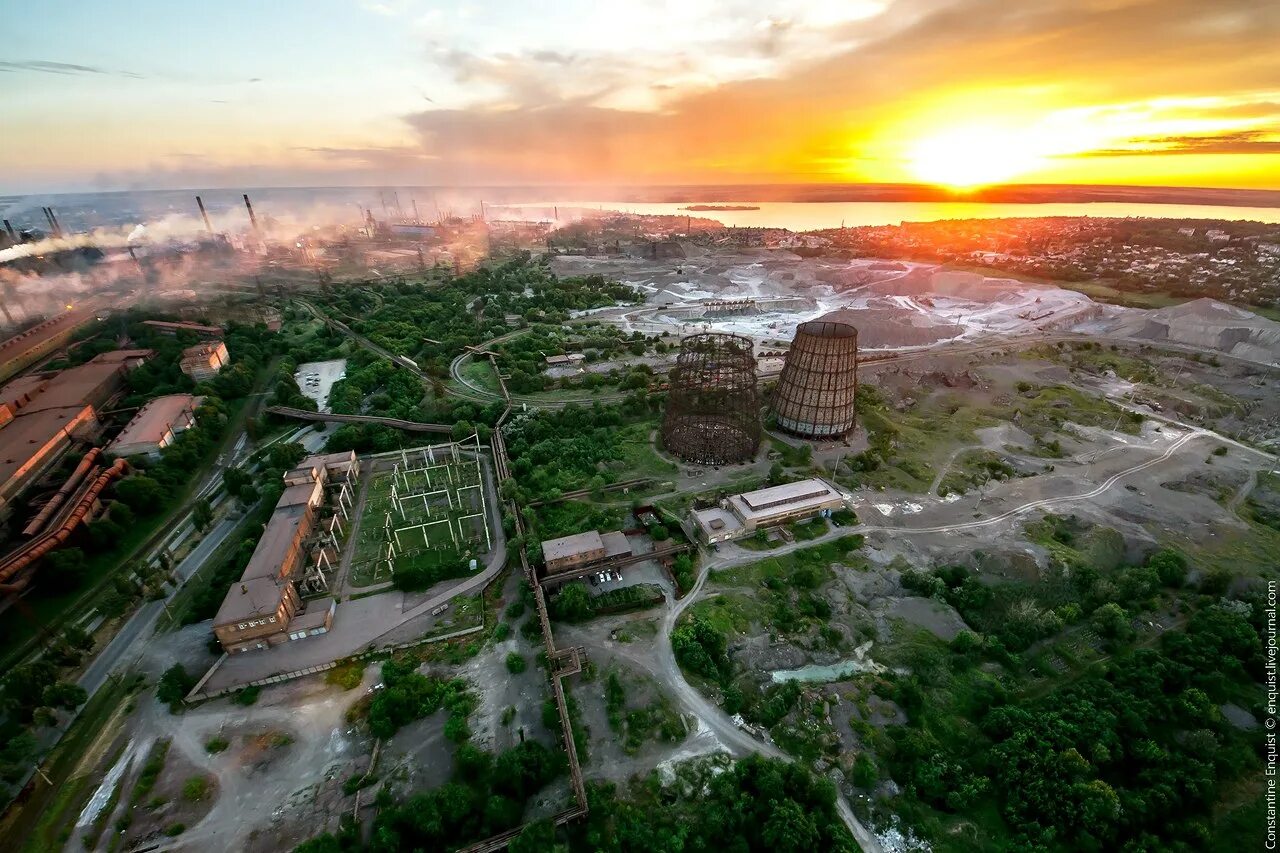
[[173, 687], [65, 695], [202, 514]]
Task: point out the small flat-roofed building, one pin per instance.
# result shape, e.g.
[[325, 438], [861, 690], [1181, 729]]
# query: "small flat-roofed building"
[[255, 614], [569, 359], [204, 361], [156, 425], [615, 545], [741, 515], [302, 494], [166, 327], [717, 524], [307, 471], [569, 552], [317, 619], [336, 464]]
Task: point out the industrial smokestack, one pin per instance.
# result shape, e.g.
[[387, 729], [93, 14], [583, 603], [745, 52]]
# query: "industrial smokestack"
[[416, 218], [395, 196], [57, 226], [253, 220], [13, 235], [204, 215], [48, 217]]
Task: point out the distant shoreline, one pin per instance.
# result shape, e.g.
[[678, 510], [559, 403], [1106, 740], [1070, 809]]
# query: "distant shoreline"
[[705, 207], [732, 194]]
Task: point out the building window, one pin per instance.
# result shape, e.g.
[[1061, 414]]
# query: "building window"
[[242, 626], [273, 619]]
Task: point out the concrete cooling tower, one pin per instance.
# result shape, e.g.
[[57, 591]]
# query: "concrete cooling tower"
[[713, 411], [819, 381]]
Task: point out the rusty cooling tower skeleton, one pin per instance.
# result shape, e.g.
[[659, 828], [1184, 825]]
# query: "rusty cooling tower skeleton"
[[713, 410], [819, 383]]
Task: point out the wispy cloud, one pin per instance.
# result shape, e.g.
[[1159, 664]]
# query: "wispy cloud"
[[1242, 142], [70, 69]]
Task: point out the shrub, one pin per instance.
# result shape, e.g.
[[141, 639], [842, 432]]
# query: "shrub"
[[247, 695], [216, 744], [516, 663], [175, 829], [195, 789]]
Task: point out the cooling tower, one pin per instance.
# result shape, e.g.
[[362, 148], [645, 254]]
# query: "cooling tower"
[[713, 411], [819, 381]]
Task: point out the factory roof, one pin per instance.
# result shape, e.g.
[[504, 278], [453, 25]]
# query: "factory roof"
[[25, 436], [331, 460], [615, 544], [165, 325], [122, 356], [302, 493], [251, 598], [38, 334], [202, 350], [788, 493], [17, 392], [760, 505], [277, 541], [74, 386], [156, 419], [717, 523], [572, 546]]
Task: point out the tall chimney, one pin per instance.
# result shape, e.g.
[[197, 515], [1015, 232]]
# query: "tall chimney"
[[13, 235], [48, 216], [253, 220], [396, 197], [416, 218], [204, 215], [57, 226]]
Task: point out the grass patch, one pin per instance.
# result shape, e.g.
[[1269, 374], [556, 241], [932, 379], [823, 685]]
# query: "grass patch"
[[346, 675]]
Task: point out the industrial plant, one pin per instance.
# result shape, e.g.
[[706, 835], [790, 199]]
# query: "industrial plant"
[[713, 408], [816, 393]]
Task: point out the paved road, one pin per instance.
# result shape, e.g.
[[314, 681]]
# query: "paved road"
[[123, 647]]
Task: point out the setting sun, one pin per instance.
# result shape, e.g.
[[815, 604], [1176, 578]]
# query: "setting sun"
[[969, 157]]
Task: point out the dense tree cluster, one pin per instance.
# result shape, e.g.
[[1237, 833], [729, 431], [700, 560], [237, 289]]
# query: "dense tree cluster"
[[1132, 755], [408, 695], [757, 805]]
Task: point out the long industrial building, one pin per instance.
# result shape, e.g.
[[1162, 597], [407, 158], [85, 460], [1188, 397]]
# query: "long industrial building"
[[264, 608], [42, 414], [156, 426], [744, 514], [26, 348]]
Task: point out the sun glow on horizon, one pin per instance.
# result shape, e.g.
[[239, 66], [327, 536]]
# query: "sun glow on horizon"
[[965, 158]]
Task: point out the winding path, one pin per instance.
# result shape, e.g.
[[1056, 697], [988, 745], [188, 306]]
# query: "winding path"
[[740, 741]]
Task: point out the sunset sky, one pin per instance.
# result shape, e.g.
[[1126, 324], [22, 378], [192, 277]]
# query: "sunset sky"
[[959, 93]]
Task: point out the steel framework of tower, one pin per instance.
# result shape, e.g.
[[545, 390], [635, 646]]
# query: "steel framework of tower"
[[713, 409], [816, 392]]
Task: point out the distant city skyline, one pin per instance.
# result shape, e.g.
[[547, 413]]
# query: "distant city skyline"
[[959, 93]]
